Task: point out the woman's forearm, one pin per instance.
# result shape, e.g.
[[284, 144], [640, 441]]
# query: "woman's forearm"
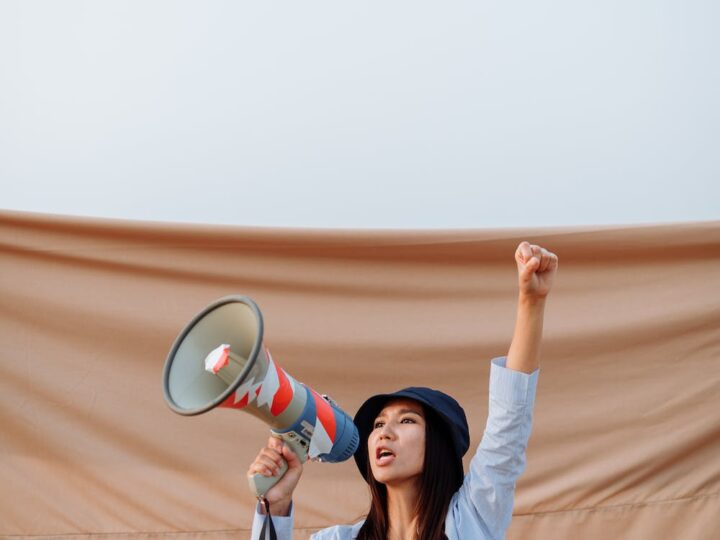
[[524, 353]]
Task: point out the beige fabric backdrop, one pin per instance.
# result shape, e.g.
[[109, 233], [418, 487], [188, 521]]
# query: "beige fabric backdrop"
[[626, 439]]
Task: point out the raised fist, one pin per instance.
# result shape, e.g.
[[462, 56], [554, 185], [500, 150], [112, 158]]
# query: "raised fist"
[[536, 269]]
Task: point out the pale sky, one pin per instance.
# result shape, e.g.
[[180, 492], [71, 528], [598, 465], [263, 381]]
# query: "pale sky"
[[367, 114]]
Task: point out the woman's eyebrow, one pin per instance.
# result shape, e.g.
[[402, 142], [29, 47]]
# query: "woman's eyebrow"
[[401, 411]]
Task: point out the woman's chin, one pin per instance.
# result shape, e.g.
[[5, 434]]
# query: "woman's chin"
[[383, 475], [391, 478]]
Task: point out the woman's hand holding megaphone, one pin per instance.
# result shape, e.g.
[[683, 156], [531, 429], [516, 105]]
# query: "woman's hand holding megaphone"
[[268, 463]]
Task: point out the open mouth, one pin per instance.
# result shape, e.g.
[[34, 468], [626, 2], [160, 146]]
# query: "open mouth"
[[383, 456]]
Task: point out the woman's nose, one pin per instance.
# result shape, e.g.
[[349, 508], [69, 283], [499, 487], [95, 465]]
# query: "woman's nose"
[[386, 432]]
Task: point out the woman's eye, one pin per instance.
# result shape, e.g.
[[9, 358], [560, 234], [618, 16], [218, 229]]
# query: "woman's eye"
[[377, 425], [408, 420]]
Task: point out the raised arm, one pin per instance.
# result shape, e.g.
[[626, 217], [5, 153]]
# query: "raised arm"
[[536, 271], [484, 502]]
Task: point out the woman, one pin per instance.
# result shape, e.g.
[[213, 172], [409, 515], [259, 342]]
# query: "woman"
[[412, 443]]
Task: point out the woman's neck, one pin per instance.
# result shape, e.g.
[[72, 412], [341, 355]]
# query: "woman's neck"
[[402, 505]]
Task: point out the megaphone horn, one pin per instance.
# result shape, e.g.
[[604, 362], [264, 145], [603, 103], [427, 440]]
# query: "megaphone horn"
[[219, 360]]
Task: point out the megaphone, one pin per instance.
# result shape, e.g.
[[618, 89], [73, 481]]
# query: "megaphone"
[[219, 360]]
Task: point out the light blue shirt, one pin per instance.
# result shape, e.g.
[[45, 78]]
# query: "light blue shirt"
[[482, 507]]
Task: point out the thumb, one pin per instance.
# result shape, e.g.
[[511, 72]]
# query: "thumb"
[[530, 267]]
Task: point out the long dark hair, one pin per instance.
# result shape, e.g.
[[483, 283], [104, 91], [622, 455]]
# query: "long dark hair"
[[442, 476]]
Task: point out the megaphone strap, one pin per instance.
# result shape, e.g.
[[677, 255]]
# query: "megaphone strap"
[[268, 529]]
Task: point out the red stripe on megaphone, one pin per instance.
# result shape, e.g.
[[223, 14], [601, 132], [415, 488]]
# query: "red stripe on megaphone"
[[284, 394], [232, 404], [325, 414]]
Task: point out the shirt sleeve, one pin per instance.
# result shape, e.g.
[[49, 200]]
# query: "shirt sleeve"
[[283, 524], [489, 486]]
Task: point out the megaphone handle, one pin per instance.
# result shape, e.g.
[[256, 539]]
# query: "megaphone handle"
[[260, 484]]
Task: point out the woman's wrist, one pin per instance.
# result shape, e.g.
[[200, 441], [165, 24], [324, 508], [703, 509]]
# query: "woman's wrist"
[[532, 301], [525, 347], [279, 508]]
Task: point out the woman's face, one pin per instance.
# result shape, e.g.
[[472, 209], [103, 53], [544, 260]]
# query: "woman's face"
[[396, 445]]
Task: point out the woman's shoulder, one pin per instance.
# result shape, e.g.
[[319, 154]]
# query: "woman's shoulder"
[[338, 532]]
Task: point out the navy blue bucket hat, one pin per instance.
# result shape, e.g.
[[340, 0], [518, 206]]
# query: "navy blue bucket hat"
[[445, 406]]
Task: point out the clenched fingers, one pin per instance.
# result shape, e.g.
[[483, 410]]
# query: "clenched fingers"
[[536, 257], [267, 463]]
